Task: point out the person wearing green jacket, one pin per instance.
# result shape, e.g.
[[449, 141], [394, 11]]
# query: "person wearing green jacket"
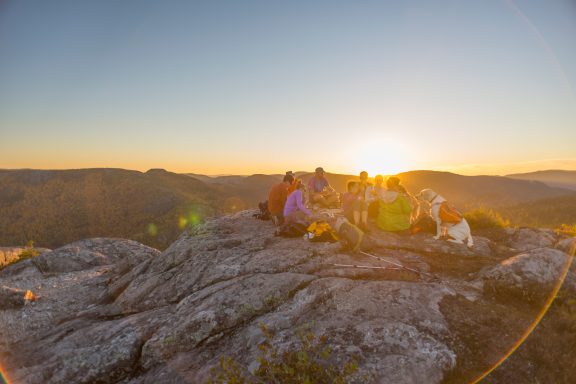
[[395, 207]]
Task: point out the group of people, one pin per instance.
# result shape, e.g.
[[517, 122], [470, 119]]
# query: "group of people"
[[393, 208], [389, 204], [287, 200]]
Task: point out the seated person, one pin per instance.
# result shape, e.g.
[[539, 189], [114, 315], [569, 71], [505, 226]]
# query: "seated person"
[[395, 207], [277, 198], [349, 199], [320, 190], [294, 209]]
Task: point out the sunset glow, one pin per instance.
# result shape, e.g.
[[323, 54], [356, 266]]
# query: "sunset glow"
[[259, 87]]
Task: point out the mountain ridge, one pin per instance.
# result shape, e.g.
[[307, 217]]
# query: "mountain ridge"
[[55, 207]]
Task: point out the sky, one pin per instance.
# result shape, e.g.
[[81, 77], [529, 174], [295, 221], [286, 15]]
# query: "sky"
[[241, 87]]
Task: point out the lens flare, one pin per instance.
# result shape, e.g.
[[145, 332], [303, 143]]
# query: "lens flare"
[[193, 219], [3, 377], [537, 319], [152, 229], [182, 221]]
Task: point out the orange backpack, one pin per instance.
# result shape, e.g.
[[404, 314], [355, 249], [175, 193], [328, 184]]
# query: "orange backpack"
[[449, 214]]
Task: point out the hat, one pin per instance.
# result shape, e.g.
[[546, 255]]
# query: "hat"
[[319, 169]]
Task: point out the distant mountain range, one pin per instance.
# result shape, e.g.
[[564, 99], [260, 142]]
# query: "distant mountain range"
[[58, 207], [553, 178]]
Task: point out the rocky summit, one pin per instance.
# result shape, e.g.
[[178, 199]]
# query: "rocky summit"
[[115, 311]]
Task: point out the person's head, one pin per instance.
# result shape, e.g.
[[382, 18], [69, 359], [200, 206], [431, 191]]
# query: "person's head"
[[319, 172], [392, 182], [363, 176], [299, 185], [379, 179], [288, 178], [352, 187]]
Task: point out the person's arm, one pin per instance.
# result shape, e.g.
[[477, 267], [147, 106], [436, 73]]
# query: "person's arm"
[[300, 204]]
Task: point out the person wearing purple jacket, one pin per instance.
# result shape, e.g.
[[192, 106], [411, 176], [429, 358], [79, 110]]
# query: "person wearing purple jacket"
[[294, 209]]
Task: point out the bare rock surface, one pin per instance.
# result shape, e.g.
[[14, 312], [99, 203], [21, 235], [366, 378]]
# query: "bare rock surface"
[[532, 274], [85, 254], [115, 311], [524, 239]]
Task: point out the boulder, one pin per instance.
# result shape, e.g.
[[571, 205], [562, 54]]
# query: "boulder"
[[530, 275], [86, 254], [524, 239], [567, 245]]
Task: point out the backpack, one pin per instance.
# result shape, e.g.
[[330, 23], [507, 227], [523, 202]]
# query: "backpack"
[[424, 224], [296, 229], [350, 235], [264, 213], [449, 214], [322, 231]]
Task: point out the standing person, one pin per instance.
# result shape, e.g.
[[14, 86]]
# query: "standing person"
[[277, 199], [320, 190], [294, 209], [395, 209], [360, 204], [373, 194]]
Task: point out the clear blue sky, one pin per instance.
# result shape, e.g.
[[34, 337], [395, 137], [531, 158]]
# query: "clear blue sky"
[[264, 86]]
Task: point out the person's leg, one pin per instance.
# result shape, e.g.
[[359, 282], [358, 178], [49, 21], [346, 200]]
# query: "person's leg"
[[297, 216], [356, 217], [364, 217]]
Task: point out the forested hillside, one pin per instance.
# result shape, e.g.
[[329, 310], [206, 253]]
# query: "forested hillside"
[[53, 208], [550, 213], [56, 207]]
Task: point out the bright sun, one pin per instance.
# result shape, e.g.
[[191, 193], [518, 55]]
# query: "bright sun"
[[385, 157]]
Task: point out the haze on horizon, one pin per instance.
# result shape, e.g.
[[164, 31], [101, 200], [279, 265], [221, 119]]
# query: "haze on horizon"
[[261, 87]]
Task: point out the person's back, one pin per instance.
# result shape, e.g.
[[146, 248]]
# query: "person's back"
[[395, 208], [277, 198]]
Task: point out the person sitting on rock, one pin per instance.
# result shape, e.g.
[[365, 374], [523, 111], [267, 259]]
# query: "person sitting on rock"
[[277, 199], [395, 207], [320, 190], [294, 209], [349, 199]]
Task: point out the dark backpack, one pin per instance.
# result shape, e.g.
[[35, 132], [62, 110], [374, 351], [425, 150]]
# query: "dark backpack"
[[264, 213], [424, 224], [292, 230]]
